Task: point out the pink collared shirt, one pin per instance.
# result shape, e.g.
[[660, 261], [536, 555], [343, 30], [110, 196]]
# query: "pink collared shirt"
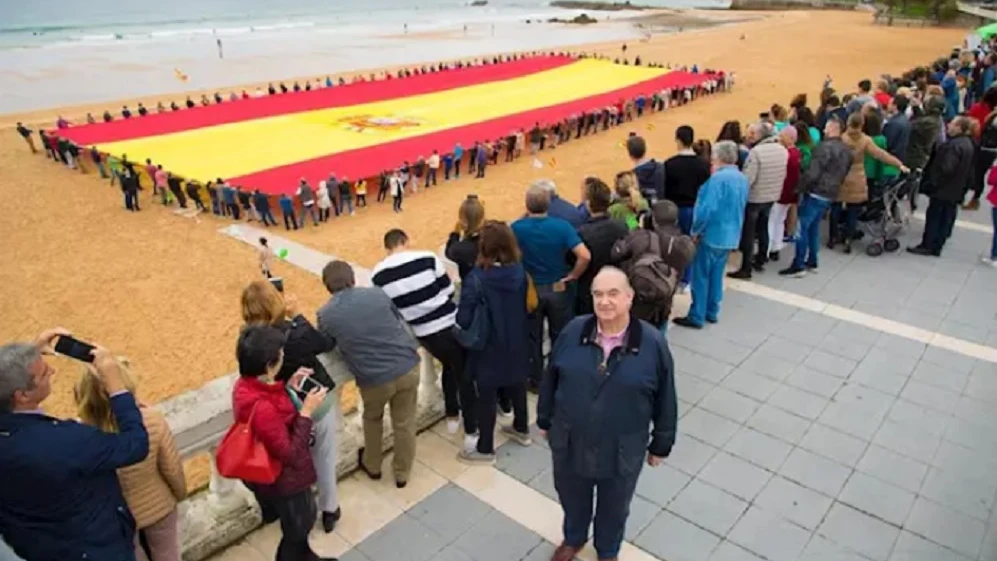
[[609, 341]]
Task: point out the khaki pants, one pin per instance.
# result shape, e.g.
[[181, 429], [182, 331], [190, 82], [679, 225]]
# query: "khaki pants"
[[400, 395]]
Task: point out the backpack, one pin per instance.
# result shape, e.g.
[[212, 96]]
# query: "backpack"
[[653, 282], [988, 138]]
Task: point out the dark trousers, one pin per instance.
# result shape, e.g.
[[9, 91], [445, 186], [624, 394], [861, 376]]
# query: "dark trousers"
[[446, 172], [290, 220], [556, 308], [267, 216], [756, 227], [233, 210], [984, 159], [481, 170], [215, 207], [297, 515], [458, 389], [612, 506], [431, 177], [938, 223], [198, 203], [487, 399], [398, 202], [361, 200], [847, 213], [382, 194], [456, 168]]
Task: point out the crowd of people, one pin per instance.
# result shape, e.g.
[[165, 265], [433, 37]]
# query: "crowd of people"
[[601, 275], [341, 196]]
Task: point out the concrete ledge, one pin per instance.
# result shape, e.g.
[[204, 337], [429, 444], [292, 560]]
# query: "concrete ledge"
[[215, 518]]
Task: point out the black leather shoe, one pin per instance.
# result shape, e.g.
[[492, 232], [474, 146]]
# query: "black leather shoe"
[[401, 484], [363, 468], [329, 520], [686, 322], [921, 250], [740, 274]]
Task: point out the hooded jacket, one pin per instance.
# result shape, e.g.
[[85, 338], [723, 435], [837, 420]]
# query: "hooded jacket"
[[651, 180], [924, 132], [504, 361]]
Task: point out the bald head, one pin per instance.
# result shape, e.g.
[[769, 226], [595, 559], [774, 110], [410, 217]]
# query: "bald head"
[[610, 277]]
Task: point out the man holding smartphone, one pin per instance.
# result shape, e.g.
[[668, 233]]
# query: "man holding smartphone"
[[60, 497]]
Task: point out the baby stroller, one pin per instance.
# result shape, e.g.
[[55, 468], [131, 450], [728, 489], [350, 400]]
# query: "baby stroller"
[[885, 217]]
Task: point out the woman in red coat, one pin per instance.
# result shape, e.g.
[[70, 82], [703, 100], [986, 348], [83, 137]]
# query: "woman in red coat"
[[283, 431], [985, 150]]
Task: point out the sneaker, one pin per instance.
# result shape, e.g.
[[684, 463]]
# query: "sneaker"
[[773, 256], [812, 269], [502, 411], [470, 441], [989, 261], [792, 271], [523, 439], [475, 457], [453, 424]]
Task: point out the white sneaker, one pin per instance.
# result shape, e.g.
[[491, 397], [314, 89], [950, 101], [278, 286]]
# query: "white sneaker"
[[988, 261], [453, 424], [470, 442]]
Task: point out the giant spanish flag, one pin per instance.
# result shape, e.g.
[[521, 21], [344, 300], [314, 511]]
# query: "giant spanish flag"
[[360, 129]]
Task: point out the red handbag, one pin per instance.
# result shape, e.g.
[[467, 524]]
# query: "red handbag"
[[242, 456]]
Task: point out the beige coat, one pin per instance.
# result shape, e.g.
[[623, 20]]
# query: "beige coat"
[[153, 486], [855, 189]]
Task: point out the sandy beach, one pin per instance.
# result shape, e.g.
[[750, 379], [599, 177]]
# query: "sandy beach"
[[164, 290]]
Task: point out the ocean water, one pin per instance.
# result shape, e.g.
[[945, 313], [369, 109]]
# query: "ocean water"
[[60, 52]]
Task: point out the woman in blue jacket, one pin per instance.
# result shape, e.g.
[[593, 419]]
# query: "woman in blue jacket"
[[497, 286]]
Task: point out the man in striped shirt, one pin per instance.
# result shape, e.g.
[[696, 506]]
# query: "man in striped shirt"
[[418, 284]]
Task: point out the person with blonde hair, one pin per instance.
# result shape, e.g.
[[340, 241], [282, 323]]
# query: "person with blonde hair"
[[854, 191], [262, 304], [153, 487], [629, 204]]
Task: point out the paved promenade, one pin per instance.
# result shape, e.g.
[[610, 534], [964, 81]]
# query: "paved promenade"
[[846, 416]]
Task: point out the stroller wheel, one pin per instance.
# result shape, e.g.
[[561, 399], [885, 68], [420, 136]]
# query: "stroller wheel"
[[874, 249], [891, 245]]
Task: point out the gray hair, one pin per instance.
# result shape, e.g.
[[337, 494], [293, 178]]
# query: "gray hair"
[[764, 129], [726, 152], [537, 199], [546, 184], [15, 371]]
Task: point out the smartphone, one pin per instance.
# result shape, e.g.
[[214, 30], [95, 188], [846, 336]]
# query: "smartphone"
[[560, 286], [277, 283], [74, 348], [306, 384]]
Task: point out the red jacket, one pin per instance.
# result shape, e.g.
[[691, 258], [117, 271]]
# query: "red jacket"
[[789, 195], [979, 111], [280, 428], [992, 182]]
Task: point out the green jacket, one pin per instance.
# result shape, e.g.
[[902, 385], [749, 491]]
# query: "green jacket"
[[876, 170]]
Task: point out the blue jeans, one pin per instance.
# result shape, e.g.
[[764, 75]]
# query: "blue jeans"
[[557, 308], [685, 224], [347, 205], [993, 244], [612, 506], [810, 212], [708, 268]]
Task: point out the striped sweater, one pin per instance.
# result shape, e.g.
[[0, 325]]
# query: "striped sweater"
[[418, 284]]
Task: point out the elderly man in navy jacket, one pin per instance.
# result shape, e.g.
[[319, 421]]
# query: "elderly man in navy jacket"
[[606, 401], [59, 498]]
